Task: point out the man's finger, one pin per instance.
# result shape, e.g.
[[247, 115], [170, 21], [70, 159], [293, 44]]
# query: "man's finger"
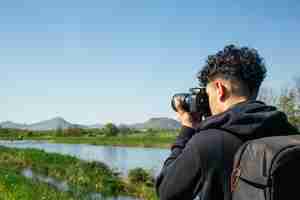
[[178, 105]]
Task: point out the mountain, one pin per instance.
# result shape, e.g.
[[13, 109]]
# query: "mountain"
[[9, 124], [157, 123], [58, 122], [51, 124]]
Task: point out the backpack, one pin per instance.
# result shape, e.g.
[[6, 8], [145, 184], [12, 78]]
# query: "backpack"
[[267, 169]]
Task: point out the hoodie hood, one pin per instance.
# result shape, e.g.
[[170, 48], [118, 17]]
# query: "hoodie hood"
[[251, 120]]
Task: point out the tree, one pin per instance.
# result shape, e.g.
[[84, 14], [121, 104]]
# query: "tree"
[[110, 129], [152, 131], [297, 89], [59, 131], [124, 130], [73, 131], [289, 104]]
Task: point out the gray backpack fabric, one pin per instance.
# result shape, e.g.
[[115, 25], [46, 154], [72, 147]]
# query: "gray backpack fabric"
[[267, 169]]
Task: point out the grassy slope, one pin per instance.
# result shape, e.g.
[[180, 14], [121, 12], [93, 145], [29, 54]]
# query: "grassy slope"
[[14, 186], [83, 177]]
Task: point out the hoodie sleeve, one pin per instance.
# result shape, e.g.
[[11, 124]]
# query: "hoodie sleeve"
[[181, 171]]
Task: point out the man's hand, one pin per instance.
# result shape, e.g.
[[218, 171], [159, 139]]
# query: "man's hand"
[[187, 119]]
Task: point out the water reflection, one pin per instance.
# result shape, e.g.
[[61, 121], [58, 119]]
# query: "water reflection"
[[120, 158], [60, 185], [63, 186]]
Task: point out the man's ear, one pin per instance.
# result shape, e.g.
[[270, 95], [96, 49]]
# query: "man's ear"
[[221, 90]]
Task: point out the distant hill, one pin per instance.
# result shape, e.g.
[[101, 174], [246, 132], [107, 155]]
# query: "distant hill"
[[59, 122], [9, 124], [50, 124]]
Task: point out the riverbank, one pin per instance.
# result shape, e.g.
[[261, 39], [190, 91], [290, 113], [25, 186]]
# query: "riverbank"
[[137, 140], [82, 177], [129, 138]]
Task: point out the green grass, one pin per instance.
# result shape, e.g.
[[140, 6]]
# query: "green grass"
[[131, 141], [153, 138], [82, 177], [14, 186], [141, 140]]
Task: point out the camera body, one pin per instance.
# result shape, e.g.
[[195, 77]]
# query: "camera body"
[[194, 102]]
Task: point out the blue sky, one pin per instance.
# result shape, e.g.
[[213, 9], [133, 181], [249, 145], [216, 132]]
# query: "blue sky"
[[98, 61]]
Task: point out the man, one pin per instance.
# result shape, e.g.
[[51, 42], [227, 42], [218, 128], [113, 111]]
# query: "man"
[[201, 159]]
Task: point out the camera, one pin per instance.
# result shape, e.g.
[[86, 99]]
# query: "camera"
[[194, 102]]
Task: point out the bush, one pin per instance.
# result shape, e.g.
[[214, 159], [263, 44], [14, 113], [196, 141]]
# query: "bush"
[[74, 132], [29, 134], [139, 175], [110, 129]]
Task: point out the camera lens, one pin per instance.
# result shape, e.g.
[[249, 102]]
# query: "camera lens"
[[184, 100]]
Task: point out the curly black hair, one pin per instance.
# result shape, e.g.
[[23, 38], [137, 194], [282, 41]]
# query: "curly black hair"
[[243, 64]]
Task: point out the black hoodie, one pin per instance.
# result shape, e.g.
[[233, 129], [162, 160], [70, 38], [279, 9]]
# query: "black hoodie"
[[201, 161]]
